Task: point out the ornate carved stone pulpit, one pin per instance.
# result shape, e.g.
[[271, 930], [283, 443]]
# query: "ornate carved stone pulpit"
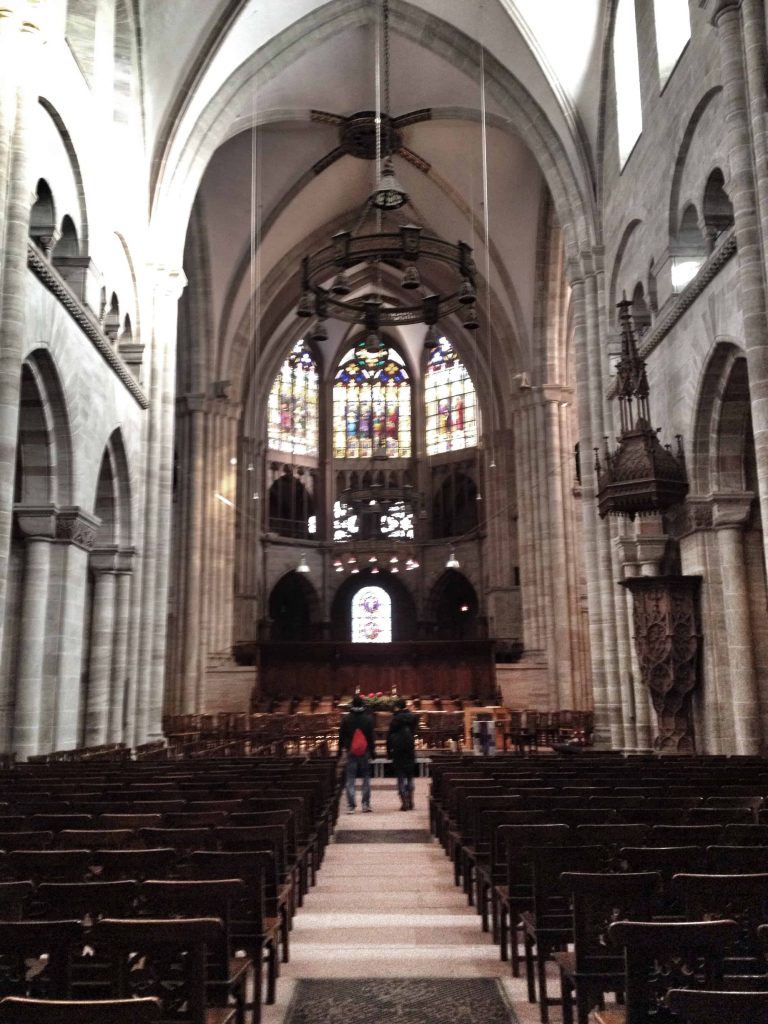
[[668, 642]]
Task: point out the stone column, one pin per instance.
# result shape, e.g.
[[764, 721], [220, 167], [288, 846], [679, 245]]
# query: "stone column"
[[193, 569], [730, 514], [104, 568], [76, 532], [562, 596], [601, 424], [20, 55], [39, 528], [157, 515], [589, 510], [755, 46], [119, 686], [743, 191]]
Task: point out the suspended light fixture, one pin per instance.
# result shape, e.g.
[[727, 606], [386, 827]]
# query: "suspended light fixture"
[[453, 562], [431, 339], [467, 293], [389, 194], [471, 321], [411, 278], [374, 135], [341, 284], [306, 306], [303, 566], [319, 332]]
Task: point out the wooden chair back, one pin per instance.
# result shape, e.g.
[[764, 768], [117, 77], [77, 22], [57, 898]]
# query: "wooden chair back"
[[95, 839], [26, 840], [50, 865], [659, 956], [684, 835], [597, 901], [742, 898], [703, 1006], [129, 820], [737, 860], [14, 897], [742, 834], [135, 864], [86, 899], [164, 958], [18, 1010], [49, 944]]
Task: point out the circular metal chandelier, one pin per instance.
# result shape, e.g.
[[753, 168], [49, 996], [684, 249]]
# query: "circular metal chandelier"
[[407, 247]]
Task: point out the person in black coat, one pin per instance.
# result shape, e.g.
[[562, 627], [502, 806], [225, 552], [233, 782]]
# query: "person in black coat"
[[401, 748]]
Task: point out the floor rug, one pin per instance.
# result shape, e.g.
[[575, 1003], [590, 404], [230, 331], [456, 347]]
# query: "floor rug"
[[404, 1000], [382, 835]]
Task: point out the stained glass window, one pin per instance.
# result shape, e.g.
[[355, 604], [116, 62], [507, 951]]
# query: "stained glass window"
[[371, 616], [345, 525], [397, 521], [449, 398], [293, 404], [371, 405]]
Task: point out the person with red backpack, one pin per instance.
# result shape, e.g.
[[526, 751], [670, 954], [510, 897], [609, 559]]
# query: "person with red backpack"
[[357, 737]]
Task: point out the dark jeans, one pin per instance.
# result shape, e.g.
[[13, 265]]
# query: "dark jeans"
[[404, 786], [359, 766]]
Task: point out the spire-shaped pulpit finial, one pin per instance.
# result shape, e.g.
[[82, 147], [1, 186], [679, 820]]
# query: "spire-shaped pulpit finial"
[[640, 475]]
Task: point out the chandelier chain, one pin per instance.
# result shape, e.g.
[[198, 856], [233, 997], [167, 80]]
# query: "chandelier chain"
[[386, 72]]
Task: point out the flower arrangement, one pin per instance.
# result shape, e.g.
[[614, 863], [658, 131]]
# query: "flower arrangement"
[[375, 701]]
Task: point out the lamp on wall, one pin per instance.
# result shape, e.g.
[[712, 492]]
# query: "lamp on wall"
[[303, 566], [453, 562]]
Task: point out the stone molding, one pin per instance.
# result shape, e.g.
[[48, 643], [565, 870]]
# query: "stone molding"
[[55, 284], [692, 515], [67, 525], [721, 7], [533, 396], [113, 559], [731, 511], [719, 511], [676, 310]]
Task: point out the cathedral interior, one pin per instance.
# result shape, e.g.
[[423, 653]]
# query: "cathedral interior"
[[410, 345]]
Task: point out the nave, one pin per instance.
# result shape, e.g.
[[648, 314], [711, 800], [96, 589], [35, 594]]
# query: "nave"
[[389, 909]]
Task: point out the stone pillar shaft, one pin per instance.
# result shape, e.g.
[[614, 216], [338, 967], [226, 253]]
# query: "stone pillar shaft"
[[589, 512], [193, 569], [738, 637], [70, 669], [118, 685], [19, 56], [743, 191], [100, 661], [33, 629]]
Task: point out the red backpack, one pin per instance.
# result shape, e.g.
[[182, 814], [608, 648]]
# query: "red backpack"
[[359, 743]]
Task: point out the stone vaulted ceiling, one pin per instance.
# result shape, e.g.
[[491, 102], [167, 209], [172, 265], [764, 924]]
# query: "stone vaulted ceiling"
[[205, 90]]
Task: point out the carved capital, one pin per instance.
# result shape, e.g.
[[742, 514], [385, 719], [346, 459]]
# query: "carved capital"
[[69, 525], [722, 7], [126, 560], [188, 404], [75, 526], [169, 282], [105, 560], [36, 521], [688, 517], [731, 511]]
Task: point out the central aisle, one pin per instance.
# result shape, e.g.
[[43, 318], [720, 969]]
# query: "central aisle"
[[385, 909]]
